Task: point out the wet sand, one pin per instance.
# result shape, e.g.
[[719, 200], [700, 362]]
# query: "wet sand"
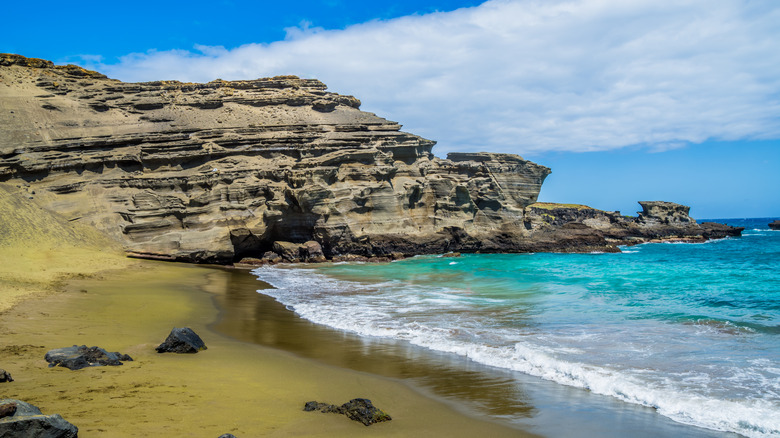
[[480, 391], [257, 318], [235, 386]]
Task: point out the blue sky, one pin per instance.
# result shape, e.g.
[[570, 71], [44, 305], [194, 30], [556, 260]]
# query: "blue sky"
[[625, 101]]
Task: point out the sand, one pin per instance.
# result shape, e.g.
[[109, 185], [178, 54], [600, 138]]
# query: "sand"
[[61, 285], [39, 250]]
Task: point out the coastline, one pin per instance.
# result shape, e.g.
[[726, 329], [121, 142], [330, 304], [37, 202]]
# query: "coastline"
[[547, 407], [234, 386]]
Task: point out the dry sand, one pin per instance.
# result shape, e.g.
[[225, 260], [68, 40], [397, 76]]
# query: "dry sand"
[[61, 284]]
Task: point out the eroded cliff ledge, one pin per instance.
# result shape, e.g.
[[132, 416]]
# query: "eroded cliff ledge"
[[218, 171]]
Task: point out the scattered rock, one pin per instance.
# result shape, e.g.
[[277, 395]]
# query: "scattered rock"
[[78, 357], [181, 340], [358, 409], [251, 261], [361, 409], [775, 225], [272, 257], [5, 376], [322, 407], [28, 421], [451, 254], [350, 258]]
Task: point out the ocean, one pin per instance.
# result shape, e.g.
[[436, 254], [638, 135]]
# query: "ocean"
[[690, 331]]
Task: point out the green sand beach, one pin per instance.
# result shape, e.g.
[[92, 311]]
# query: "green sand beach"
[[234, 386], [62, 284]]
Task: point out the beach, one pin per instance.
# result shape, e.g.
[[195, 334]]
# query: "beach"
[[661, 339], [62, 284], [233, 387]]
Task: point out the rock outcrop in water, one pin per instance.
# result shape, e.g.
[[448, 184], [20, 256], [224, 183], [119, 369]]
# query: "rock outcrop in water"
[[658, 221], [219, 171]]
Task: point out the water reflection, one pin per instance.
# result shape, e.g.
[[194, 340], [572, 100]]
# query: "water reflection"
[[253, 317], [535, 405]]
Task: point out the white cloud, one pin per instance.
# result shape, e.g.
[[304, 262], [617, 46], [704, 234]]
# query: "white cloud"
[[533, 75]]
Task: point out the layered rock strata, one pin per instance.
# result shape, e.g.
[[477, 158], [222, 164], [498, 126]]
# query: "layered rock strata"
[[219, 171]]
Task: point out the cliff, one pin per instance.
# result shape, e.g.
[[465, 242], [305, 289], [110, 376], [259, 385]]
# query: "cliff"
[[218, 171]]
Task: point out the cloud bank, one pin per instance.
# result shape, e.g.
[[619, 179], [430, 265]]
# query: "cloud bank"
[[529, 76]]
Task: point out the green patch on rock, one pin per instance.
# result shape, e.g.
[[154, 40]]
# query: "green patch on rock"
[[555, 205]]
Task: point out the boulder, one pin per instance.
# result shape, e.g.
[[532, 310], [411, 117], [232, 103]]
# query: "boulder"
[[357, 409], [5, 376], [288, 250], [78, 357], [775, 225], [181, 340], [28, 421], [272, 257], [311, 252], [362, 410]]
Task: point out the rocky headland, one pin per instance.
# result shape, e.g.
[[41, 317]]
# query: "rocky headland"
[[226, 170]]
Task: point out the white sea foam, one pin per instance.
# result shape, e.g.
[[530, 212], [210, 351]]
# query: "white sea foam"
[[379, 310]]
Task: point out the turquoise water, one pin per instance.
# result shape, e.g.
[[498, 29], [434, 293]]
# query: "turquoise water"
[[692, 330]]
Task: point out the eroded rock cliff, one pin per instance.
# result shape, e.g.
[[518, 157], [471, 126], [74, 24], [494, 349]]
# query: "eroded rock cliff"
[[218, 171]]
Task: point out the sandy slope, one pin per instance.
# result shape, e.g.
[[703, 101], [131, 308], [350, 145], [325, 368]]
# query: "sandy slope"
[[40, 249]]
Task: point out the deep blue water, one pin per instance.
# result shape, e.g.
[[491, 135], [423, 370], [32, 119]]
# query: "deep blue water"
[[692, 330]]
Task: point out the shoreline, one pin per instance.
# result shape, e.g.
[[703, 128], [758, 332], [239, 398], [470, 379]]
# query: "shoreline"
[[234, 386], [510, 397]]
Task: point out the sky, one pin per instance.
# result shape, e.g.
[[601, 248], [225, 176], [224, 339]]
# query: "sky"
[[623, 100]]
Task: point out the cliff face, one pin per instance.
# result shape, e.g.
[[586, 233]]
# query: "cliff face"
[[218, 171], [212, 172]]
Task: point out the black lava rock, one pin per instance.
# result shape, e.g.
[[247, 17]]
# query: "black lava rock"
[[358, 409], [181, 340], [5, 376], [28, 421], [78, 357]]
